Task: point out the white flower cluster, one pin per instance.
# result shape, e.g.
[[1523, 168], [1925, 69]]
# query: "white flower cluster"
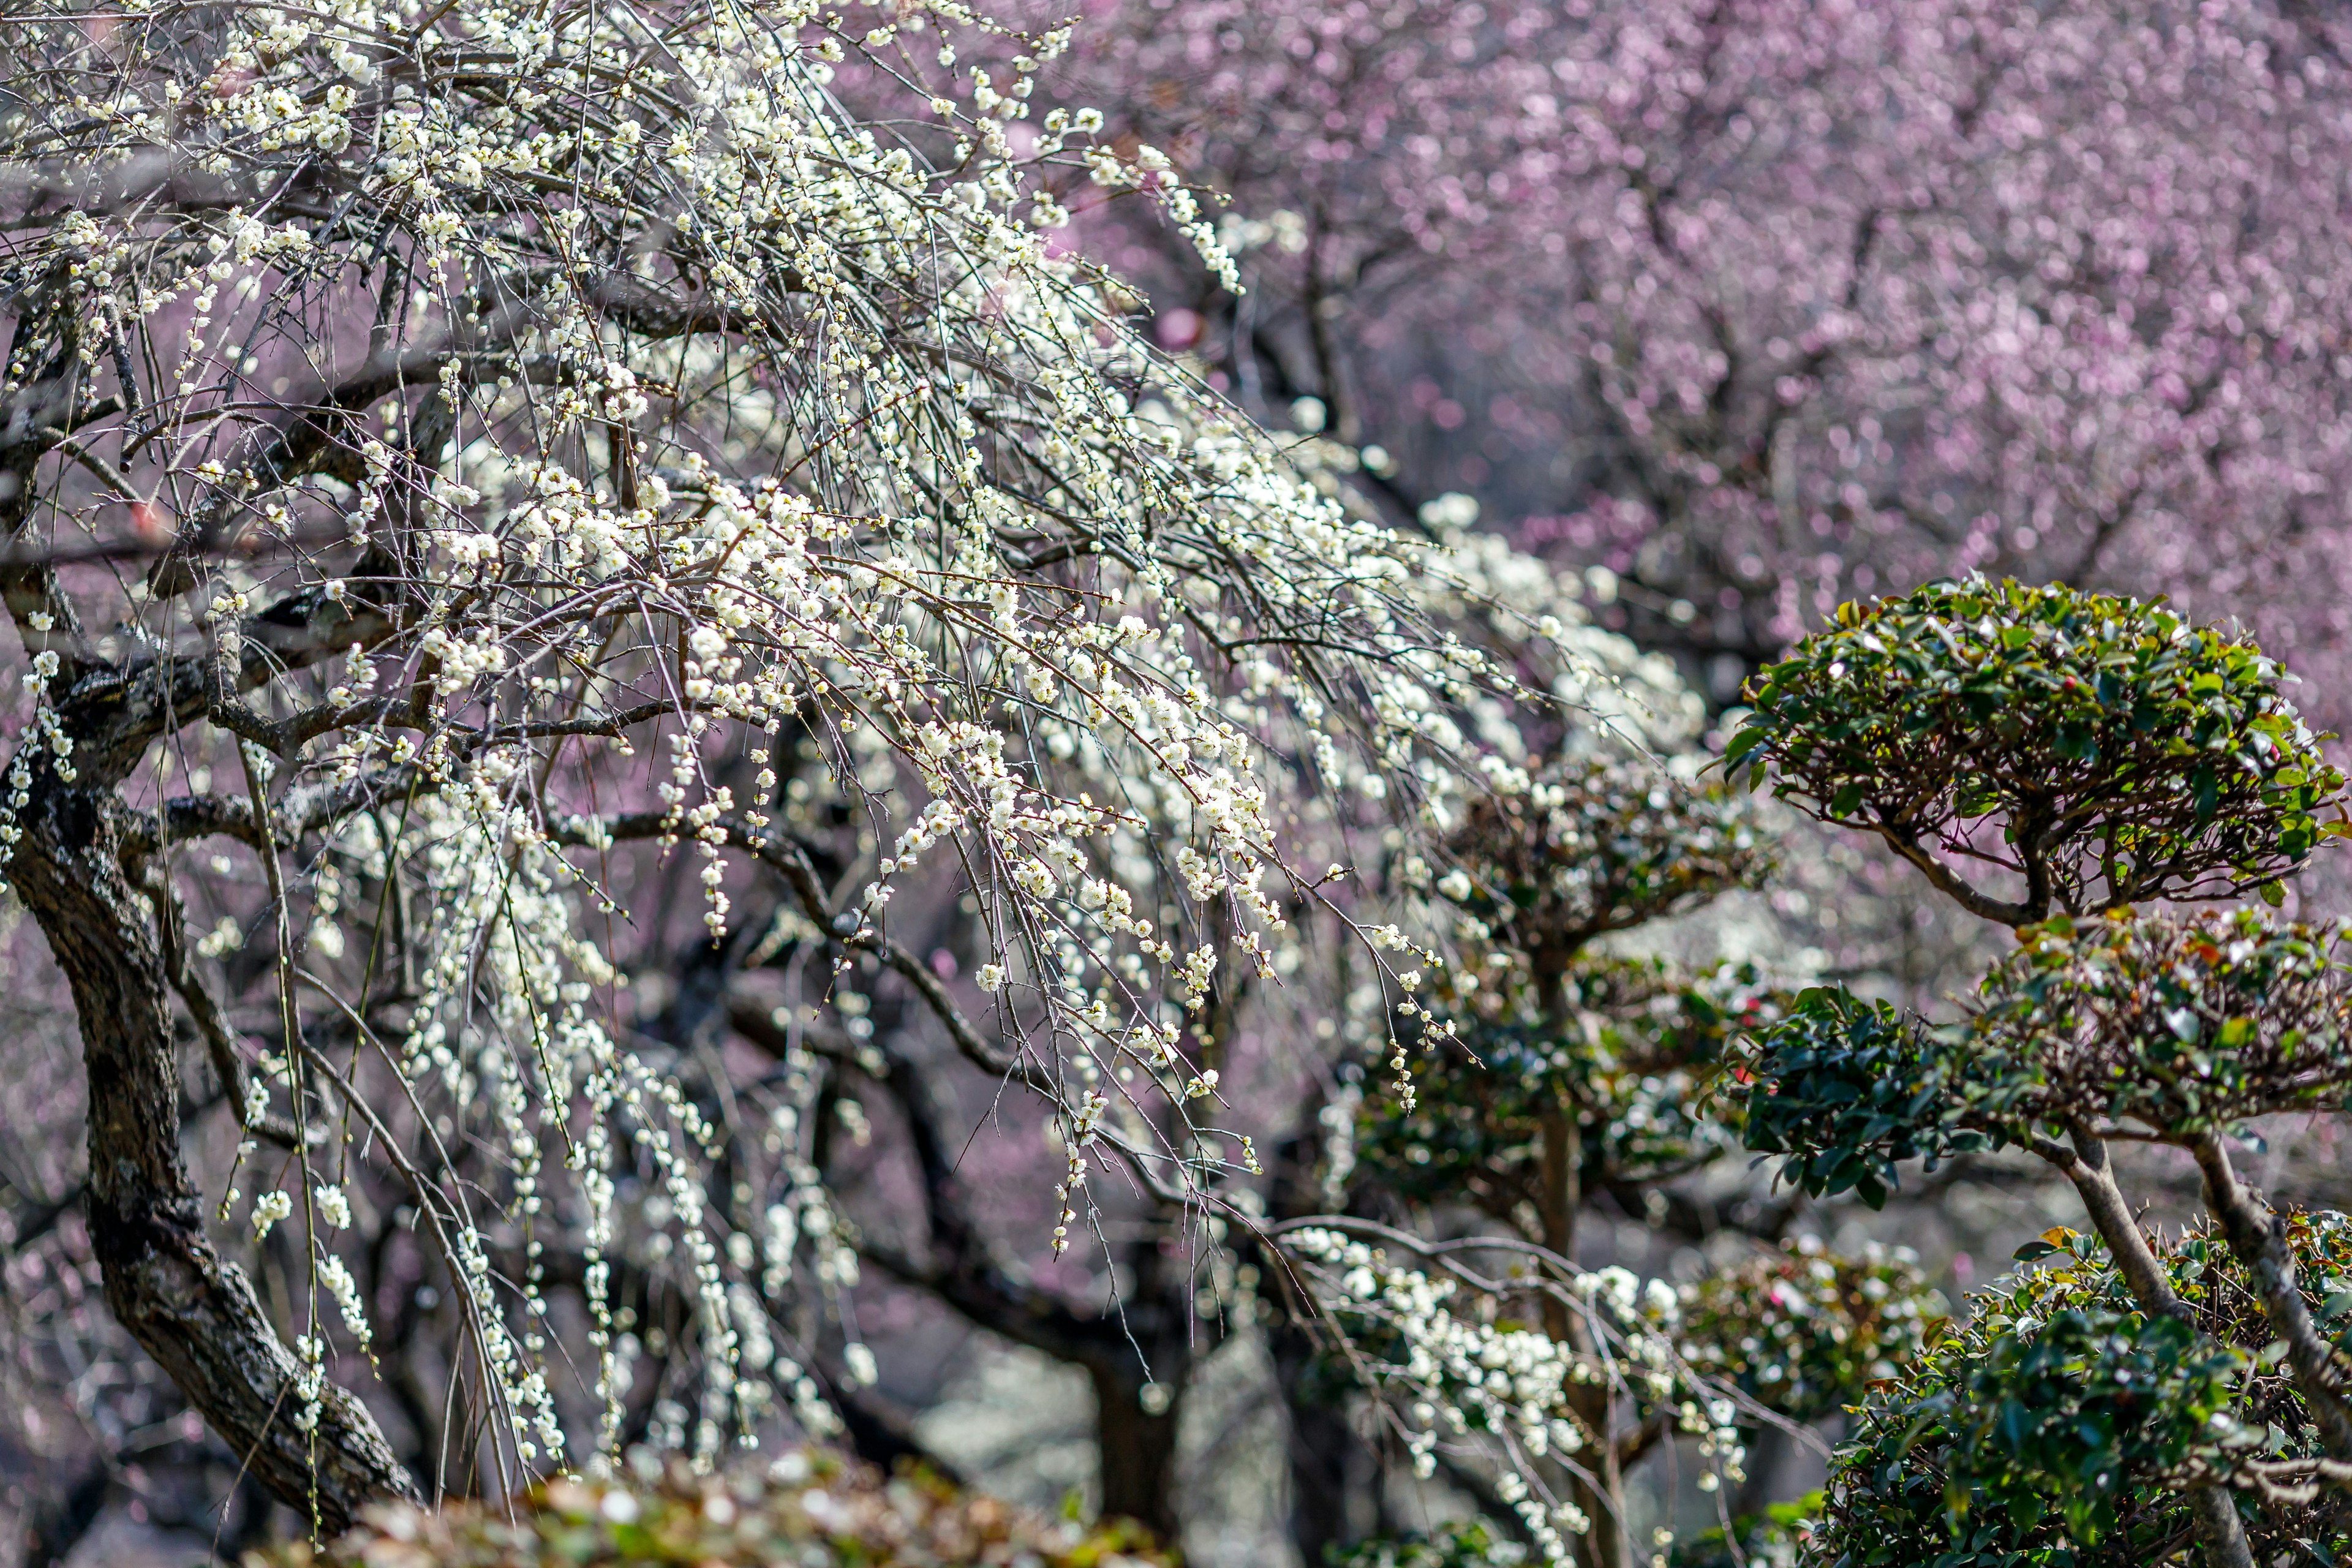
[[711, 411], [1454, 1368], [337, 1278], [43, 733]]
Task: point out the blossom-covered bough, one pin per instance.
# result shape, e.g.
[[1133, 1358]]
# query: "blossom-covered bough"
[[1533, 1366], [444, 448], [1462, 1353]]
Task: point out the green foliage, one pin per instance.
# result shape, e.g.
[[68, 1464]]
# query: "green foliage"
[[2040, 755], [2058, 1425], [1595, 844], [2119, 748], [1848, 1089], [1773, 1539], [808, 1509], [2179, 1024], [1802, 1331], [1627, 1061], [1464, 1543]]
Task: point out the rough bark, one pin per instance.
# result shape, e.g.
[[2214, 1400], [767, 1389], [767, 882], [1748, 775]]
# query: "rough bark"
[[193, 1312], [2258, 1237], [2086, 1166]]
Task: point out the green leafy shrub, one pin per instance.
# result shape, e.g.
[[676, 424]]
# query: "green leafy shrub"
[[1802, 1331], [2182, 1026], [1848, 1089], [1626, 1061], [2094, 753], [2123, 754], [808, 1509], [2061, 1424], [1596, 845]]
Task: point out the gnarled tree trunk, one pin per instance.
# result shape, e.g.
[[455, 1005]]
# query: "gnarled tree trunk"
[[192, 1309]]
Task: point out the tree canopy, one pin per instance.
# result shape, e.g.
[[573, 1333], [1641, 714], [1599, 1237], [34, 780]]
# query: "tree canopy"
[[2100, 751]]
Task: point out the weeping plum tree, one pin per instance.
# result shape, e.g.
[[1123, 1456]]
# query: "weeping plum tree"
[[457, 461], [2052, 760]]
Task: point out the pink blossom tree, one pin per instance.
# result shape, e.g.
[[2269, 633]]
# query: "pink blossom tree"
[[1758, 305]]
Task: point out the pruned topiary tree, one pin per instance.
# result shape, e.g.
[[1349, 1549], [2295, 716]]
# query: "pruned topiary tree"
[[2089, 752], [1580, 1082], [2052, 759]]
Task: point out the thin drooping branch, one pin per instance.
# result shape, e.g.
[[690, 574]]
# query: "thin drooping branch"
[[965, 1269], [203, 1011], [788, 861]]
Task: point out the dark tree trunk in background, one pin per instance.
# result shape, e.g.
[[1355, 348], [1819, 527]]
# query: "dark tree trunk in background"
[[1603, 1496], [1149, 1335], [1333, 1471], [1152, 1337], [1331, 1465], [1138, 1448]]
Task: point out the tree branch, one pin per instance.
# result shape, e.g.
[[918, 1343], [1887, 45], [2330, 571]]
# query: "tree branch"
[[2257, 1236], [972, 1278], [788, 861], [2086, 1166]]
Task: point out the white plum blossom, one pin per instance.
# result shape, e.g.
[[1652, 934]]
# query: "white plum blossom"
[[546, 412]]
